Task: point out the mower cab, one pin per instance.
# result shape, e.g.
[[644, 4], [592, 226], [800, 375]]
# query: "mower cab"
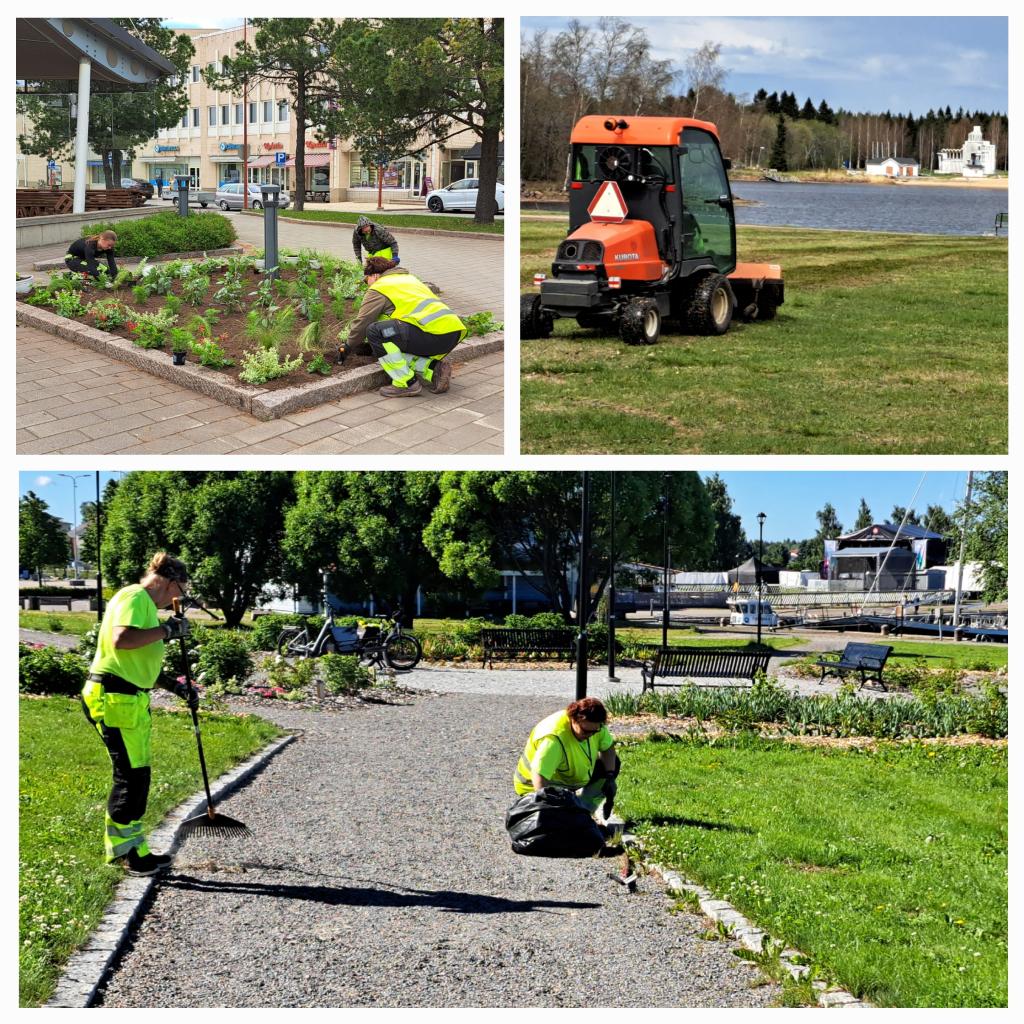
[[652, 235]]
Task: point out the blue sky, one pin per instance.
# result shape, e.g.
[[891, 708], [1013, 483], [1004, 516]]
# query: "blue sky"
[[863, 63], [791, 499], [788, 499]]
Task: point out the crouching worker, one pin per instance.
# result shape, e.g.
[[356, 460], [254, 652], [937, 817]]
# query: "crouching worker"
[[408, 328], [566, 773], [126, 666], [84, 254]]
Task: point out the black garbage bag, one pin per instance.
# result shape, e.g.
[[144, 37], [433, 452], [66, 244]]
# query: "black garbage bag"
[[552, 823]]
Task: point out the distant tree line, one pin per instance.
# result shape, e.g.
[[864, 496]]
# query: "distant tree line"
[[608, 68]]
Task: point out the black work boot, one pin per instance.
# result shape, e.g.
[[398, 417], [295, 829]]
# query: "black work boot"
[[441, 379], [145, 864]]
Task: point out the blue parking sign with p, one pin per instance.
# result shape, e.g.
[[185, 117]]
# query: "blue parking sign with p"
[[280, 159]]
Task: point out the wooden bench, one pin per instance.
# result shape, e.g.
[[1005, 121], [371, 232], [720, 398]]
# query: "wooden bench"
[[528, 641], [867, 659], [702, 663], [33, 603]]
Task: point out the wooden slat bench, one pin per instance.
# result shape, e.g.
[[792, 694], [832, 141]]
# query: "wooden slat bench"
[[33, 603], [528, 641], [702, 663], [867, 659]]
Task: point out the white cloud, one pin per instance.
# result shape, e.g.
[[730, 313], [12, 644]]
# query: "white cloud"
[[44, 481]]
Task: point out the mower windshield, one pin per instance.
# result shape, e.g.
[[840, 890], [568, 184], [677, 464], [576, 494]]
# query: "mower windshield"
[[613, 162], [708, 227]]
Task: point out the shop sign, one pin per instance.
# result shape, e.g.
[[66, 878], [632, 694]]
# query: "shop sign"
[[316, 145], [167, 149], [273, 145], [225, 146]]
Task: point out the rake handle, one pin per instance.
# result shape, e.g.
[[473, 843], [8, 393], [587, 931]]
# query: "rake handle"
[[176, 604]]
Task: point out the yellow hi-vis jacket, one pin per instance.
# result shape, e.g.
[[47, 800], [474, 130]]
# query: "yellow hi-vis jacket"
[[554, 752], [416, 304]]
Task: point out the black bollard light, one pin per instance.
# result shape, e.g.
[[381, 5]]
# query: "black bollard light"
[[584, 596], [181, 184], [270, 195]]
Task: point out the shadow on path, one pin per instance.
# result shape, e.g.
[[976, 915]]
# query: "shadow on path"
[[363, 896]]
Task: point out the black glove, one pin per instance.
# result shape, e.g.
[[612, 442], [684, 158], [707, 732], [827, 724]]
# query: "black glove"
[[610, 789], [189, 694], [176, 626]]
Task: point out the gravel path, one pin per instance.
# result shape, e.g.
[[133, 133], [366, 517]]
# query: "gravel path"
[[380, 875]]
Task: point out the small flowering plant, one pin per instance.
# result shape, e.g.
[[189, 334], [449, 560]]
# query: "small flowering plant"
[[109, 314]]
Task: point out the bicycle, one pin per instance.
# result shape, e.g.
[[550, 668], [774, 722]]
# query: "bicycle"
[[383, 644]]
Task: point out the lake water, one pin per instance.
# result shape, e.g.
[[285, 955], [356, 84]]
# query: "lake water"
[[918, 209]]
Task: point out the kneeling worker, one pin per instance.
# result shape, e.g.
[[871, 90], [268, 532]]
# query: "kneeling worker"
[[408, 328], [572, 749], [375, 239], [84, 254], [127, 665]]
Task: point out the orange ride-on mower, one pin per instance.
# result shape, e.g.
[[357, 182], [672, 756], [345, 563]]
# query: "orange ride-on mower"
[[652, 237]]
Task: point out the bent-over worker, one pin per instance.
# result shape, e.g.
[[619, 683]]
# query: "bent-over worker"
[[408, 328], [84, 254], [375, 239], [572, 749], [126, 666]]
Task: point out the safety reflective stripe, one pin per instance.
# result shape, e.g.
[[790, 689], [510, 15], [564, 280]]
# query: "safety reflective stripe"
[[433, 316], [519, 776], [130, 836], [124, 833], [422, 306]]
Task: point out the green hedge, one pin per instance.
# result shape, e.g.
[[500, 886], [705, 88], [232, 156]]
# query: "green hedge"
[[49, 670], [167, 232]]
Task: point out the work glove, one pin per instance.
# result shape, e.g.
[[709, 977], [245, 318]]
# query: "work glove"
[[610, 789], [189, 694], [176, 626]]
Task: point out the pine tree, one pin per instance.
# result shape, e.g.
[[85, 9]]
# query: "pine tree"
[[778, 157], [771, 104], [808, 111]]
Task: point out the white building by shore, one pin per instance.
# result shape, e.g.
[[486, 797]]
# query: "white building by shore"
[[976, 159]]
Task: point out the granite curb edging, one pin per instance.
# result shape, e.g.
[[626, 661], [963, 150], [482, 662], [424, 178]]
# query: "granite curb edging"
[[88, 967], [262, 403], [440, 232], [748, 934]]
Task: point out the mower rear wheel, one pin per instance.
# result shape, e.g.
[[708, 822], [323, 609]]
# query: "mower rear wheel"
[[711, 306], [533, 321], [640, 322]]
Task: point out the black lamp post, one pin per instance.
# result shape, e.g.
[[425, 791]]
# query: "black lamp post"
[[666, 500], [583, 600], [99, 548], [761, 517], [612, 677]]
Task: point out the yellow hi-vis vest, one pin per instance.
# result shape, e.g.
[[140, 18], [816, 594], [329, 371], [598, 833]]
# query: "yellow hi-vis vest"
[[563, 759], [416, 304]]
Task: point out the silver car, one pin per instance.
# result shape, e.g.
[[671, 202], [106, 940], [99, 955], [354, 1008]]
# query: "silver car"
[[229, 197], [461, 195]]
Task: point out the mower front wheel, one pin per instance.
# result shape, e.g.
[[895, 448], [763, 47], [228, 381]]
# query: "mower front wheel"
[[640, 322], [533, 321], [711, 306]]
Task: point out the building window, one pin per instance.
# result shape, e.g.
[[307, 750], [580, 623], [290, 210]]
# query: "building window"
[[225, 114], [195, 117], [184, 121], [211, 115], [252, 113], [282, 110], [238, 113], [195, 72], [268, 110]]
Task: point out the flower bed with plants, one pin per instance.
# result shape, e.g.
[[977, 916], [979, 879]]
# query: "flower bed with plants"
[[280, 332]]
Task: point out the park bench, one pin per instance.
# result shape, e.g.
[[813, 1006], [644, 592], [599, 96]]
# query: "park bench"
[[33, 603], [1002, 221], [867, 659], [528, 641], [702, 663]]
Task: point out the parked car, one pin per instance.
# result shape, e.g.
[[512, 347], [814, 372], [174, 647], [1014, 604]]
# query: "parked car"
[[461, 195], [229, 197], [139, 185]]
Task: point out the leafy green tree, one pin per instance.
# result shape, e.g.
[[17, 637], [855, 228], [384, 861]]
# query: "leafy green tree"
[[87, 541], [778, 157], [899, 511], [988, 538], [730, 542], [829, 526], [118, 122], [42, 538], [864, 518], [530, 521], [370, 526], [293, 54], [452, 71], [135, 522], [938, 520]]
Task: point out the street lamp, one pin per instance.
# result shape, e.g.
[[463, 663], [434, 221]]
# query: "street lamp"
[[666, 506], [612, 677], [761, 517], [583, 600], [74, 477]]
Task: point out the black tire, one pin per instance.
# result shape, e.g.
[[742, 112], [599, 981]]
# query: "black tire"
[[257, 205], [640, 322], [402, 653], [435, 205], [288, 641], [223, 204], [533, 321], [203, 205], [711, 306]]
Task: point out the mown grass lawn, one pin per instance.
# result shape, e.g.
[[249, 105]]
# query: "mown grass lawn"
[[887, 866], [949, 655], [64, 884], [438, 222], [886, 343]]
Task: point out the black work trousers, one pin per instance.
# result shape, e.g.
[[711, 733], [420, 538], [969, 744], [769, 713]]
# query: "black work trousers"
[[78, 266], [130, 789]]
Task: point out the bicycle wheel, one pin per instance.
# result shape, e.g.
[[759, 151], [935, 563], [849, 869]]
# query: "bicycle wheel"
[[402, 652], [292, 642]]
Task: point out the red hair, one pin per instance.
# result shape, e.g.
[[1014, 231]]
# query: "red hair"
[[589, 709]]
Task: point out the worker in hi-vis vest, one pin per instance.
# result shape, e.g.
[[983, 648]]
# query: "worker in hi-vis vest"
[[127, 665], [375, 239], [408, 328], [572, 749]]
